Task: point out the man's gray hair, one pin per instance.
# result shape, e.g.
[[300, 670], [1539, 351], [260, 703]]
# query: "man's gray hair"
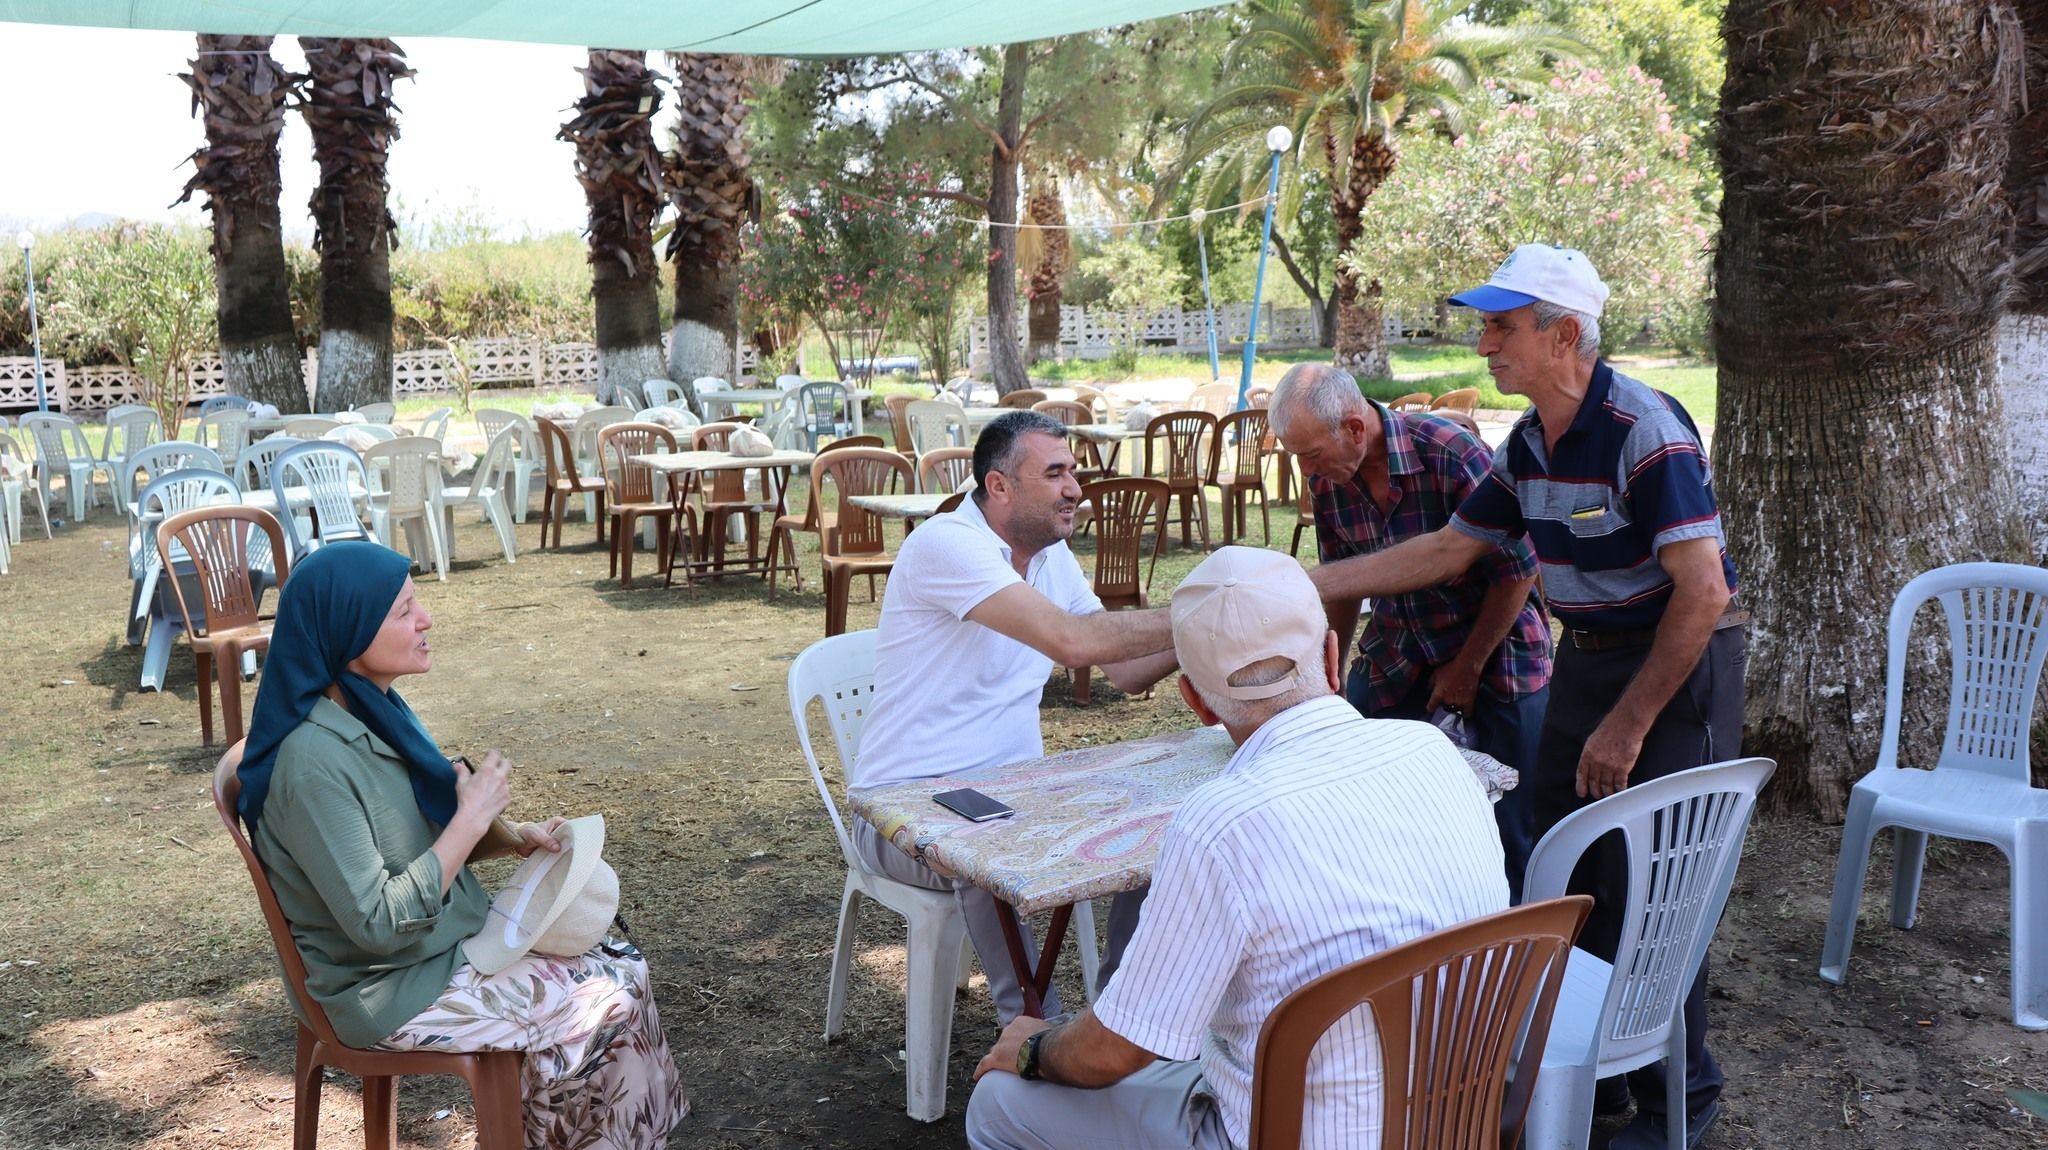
[[1548, 313], [1243, 713], [1324, 392]]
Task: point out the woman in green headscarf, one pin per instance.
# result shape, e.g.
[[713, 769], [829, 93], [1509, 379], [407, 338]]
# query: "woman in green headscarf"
[[364, 828]]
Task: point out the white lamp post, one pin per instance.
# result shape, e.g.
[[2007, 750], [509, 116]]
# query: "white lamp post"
[[1278, 140], [27, 240], [1196, 219]]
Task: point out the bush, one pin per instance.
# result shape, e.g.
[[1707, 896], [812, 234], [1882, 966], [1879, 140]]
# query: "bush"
[[1590, 161], [1141, 279]]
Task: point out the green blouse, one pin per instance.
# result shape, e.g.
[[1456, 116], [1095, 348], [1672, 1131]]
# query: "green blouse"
[[351, 859]]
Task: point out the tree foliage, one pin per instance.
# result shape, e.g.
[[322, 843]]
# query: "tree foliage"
[[1592, 161], [1677, 41], [140, 295], [1138, 279]]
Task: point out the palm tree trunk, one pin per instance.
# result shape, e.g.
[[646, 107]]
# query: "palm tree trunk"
[[1361, 338], [349, 112], [2023, 333], [1004, 362], [1049, 269], [241, 92], [713, 193], [620, 170], [1859, 276]]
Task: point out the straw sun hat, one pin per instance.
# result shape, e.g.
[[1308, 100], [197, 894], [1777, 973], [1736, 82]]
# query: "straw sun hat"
[[557, 902]]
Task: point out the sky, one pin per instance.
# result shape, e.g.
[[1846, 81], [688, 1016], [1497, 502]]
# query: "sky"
[[100, 124]]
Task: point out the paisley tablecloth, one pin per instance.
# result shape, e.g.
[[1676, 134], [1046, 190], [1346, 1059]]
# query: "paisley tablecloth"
[[1088, 821]]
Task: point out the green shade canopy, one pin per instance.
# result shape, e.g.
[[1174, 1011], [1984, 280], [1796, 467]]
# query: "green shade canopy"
[[763, 27]]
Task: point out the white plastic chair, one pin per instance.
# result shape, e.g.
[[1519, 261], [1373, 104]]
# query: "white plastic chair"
[[130, 428], [934, 424], [526, 465], [154, 617], [714, 410], [789, 382], [222, 403], [331, 476], [309, 426], [221, 429], [839, 672], [1979, 788], [435, 425], [406, 488], [661, 393], [13, 490], [161, 459], [253, 463], [61, 449], [1684, 834], [484, 490], [821, 409], [380, 414]]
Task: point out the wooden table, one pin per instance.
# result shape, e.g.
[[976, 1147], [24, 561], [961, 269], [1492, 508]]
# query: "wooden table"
[[678, 466], [768, 397], [1088, 825]]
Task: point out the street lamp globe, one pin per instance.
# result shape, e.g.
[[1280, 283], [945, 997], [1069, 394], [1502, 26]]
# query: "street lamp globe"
[[1197, 216], [1278, 138], [27, 239]]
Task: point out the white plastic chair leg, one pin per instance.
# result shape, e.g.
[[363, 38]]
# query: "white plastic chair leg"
[[1083, 926], [2030, 927], [966, 964], [928, 1012], [1675, 1114], [842, 959], [1560, 1109], [1909, 859], [432, 522], [1848, 896], [494, 510]]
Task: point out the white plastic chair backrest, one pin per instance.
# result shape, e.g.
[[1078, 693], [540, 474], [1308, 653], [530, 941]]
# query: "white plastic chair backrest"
[[628, 397], [497, 458], [789, 382], [133, 427], [57, 438], [1684, 837], [216, 426], [494, 420], [583, 434], [931, 425], [309, 426], [661, 392], [222, 403], [324, 470], [406, 471], [1996, 614], [839, 672], [704, 383], [378, 413], [254, 462], [160, 459], [435, 425], [171, 493]]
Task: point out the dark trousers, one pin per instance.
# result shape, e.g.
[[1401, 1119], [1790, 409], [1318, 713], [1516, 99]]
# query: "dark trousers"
[[1702, 724], [1507, 731]]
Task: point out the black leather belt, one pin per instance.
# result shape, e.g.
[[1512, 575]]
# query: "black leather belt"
[[1640, 636]]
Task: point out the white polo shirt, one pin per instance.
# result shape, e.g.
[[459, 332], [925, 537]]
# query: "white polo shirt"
[[1327, 839], [951, 695]]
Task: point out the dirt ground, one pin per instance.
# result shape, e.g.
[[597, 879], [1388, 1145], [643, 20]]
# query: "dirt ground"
[[140, 1003]]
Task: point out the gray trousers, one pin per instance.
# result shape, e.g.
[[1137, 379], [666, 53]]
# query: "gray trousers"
[[1165, 1106], [985, 927]]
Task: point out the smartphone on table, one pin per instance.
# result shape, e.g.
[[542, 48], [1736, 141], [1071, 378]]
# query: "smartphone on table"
[[972, 805]]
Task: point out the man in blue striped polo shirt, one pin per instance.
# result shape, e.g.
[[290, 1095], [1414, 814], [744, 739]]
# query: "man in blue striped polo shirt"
[[1607, 480]]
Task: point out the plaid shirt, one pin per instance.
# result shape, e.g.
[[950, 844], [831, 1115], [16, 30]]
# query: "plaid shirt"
[[1432, 464]]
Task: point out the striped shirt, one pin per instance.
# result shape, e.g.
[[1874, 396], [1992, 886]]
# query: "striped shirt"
[[1327, 839], [1432, 465], [1627, 478]]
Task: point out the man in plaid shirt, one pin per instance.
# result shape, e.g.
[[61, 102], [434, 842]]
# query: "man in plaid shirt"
[[1477, 646]]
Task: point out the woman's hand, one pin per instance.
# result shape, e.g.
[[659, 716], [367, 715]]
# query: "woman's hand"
[[482, 793], [539, 836]]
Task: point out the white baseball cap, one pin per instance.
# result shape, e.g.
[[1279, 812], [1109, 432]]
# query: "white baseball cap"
[[1242, 605], [1534, 272]]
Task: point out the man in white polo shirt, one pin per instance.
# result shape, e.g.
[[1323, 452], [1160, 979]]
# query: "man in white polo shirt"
[[980, 606], [1327, 839]]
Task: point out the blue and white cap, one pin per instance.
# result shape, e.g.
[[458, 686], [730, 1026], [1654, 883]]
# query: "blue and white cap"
[[1534, 272]]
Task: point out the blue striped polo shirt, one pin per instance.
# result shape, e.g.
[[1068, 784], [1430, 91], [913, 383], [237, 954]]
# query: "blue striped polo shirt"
[[1627, 478]]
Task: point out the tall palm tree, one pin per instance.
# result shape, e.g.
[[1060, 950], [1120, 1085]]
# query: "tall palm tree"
[[2023, 334], [1344, 75], [348, 109], [620, 170], [240, 92], [1862, 260], [708, 182], [1043, 247]]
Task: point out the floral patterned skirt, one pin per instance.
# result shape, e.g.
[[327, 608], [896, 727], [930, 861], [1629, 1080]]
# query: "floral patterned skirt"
[[598, 1074]]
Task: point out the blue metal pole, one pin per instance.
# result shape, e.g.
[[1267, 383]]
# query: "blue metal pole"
[[35, 330], [1251, 339], [1208, 307]]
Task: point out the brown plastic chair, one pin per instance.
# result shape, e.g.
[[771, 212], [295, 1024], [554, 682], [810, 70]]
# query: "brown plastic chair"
[[1095, 398], [1244, 433], [1462, 420], [898, 404], [1089, 464], [1022, 399], [1464, 400], [1122, 509], [853, 543], [1182, 438], [1258, 397], [1449, 1009], [217, 539], [493, 1077], [1413, 401], [629, 487], [811, 522], [1304, 505], [563, 481], [945, 469]]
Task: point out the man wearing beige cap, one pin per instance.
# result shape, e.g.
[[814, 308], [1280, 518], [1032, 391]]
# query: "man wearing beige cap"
[[1327, 839], [1607, 480]]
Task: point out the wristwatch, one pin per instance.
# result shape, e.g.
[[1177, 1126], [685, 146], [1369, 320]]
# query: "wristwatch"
[[1027, 1057]]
